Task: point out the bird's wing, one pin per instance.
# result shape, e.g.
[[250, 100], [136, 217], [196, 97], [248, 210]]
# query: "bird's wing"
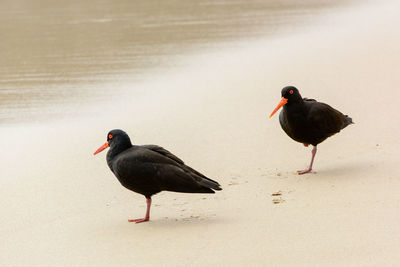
[[183, 178], [326, 118], [190, 173], [168, 172], [163, 152], [204, 180]]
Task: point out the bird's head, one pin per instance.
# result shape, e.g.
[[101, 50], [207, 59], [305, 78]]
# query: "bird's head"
[[115, 138], [290, 94]]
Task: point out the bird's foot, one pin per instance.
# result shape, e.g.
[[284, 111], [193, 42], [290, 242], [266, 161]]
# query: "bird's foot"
[[305, 171], [139, 220]]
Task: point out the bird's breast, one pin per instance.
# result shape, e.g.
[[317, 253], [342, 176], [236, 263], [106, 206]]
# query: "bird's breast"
[[294, 124]]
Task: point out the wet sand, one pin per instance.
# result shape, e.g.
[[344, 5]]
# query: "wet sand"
[[60, 56], [62, 206]]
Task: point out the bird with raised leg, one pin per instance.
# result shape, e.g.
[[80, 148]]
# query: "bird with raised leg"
[[308, 121], [150, 169]]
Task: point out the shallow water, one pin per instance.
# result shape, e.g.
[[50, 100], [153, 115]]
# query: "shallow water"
[[57, 57]]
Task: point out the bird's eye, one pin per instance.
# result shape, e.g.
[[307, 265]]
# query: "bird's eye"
[[291, 92], [110, 136]]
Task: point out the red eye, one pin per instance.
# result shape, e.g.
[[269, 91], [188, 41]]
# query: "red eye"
[[291, 92], [110, 136]]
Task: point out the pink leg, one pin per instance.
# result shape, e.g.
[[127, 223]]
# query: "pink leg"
[[147, 217], [313, 152]]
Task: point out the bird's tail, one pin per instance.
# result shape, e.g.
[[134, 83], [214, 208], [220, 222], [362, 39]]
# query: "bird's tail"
[[207, 182], [347, 121], [203, 180]]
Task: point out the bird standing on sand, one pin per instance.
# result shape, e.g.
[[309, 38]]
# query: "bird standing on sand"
[[150, 169], [308, 121]]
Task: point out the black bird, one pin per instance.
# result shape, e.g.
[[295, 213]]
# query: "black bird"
[[150, 169], [308, 121]]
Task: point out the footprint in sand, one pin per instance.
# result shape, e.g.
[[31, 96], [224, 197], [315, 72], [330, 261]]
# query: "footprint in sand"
[[277, 197]]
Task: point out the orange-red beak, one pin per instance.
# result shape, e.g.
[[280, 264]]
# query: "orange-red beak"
[[101, 148], [280, 104]]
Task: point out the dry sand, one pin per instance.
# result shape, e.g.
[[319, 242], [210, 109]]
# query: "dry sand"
[[62, 207]]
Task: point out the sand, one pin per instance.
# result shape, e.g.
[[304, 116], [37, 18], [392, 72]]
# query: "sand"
[[61, 206]]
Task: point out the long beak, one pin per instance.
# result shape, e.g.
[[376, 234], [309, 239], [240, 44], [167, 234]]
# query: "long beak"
[[101, 148], [280, 104]]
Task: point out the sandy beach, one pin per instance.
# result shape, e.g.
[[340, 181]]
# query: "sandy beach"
[[61, 206]]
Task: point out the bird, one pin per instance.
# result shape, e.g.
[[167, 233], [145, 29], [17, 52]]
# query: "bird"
[[308, 121], [150, 169]]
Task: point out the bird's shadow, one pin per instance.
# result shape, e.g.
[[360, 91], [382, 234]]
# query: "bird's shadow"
[[344, 169], [185, 222]]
